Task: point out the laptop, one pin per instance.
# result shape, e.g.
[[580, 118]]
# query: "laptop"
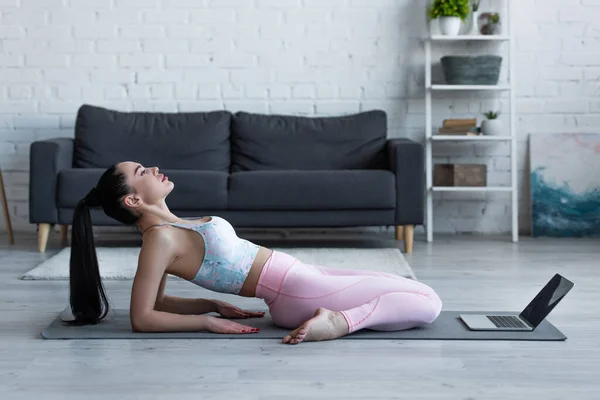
[[530, 317]]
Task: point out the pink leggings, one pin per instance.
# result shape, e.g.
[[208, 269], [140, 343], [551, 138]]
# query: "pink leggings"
[[294, 290]]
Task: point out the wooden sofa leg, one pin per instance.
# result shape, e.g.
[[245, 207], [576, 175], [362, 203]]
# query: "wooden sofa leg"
[[64, 233], [399, 232], [43, 233], [409, 231]]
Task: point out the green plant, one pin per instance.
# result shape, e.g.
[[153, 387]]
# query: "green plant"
[[494, 18], [449, 8], [492, 114]]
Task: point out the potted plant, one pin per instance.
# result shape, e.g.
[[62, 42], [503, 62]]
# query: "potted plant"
[[491, 24], [491, 126], [494, 24], [450, 14]]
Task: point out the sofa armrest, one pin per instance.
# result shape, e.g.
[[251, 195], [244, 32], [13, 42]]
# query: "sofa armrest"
[[407, 161], [46, 159]]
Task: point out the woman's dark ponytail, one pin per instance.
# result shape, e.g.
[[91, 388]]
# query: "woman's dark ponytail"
[[88, 300], [87, 297]]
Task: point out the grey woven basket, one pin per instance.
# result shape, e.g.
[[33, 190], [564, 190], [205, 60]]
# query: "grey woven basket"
[[471, 70]]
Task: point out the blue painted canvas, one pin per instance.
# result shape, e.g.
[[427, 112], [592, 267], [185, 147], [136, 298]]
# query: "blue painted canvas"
[[565, 185]]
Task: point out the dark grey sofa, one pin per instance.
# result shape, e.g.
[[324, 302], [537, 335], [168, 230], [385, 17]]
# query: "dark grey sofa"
[[255, 170]]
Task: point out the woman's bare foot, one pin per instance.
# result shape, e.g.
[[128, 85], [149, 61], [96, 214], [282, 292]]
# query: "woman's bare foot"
[[325, 325]]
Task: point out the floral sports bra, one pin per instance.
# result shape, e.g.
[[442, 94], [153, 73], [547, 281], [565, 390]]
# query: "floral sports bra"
[[227, 259]]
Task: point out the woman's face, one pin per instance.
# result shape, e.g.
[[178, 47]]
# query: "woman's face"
[[149, 185]]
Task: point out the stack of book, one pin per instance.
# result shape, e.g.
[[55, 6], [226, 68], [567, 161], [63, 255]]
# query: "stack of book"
[[459, 127]]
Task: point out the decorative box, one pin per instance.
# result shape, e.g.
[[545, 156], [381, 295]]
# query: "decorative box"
[[460, 175]]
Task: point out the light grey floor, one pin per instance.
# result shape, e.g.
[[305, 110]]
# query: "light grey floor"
[[468, 273]]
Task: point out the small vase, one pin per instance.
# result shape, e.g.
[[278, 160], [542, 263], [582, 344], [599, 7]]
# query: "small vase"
[[492, 127], [450, 26], [474, 28]]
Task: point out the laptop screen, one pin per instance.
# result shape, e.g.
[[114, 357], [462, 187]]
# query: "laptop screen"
[[546, 300]]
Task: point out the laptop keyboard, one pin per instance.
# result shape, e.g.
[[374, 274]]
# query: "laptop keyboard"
[[502, 321]]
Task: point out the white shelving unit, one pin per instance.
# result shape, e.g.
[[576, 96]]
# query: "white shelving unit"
[[486, 38], [451, 138], [495, 88], [431, 89]]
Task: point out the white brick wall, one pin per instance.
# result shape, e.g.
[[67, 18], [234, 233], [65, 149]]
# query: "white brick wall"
[[307, 57]]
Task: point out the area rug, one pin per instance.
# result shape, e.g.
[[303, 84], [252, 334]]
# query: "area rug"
[[120, 263]]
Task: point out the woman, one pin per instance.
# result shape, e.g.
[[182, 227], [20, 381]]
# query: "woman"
[[318, 303]]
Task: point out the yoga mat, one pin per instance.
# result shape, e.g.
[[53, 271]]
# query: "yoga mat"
[[447, 326]]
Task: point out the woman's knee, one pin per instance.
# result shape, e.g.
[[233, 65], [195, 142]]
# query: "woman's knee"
[[431, 302], [435, 307]]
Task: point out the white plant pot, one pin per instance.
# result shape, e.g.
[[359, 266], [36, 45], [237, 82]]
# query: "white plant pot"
[[492, 127], [450, 26]]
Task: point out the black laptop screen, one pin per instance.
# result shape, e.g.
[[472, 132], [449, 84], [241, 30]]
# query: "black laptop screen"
[[546, 300]]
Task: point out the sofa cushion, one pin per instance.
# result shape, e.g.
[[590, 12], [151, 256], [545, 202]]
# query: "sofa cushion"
[[309, 190], [195, 140], [194, 190], [278, 142]]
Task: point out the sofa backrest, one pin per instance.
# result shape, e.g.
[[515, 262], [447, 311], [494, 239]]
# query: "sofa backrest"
[[271, 142], [193, 140]]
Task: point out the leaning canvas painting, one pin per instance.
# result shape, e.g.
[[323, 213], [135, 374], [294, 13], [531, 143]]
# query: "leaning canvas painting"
[[565, 184]]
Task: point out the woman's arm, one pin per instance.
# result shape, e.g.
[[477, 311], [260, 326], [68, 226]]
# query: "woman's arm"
[[181, 305], [185, 306], [158, 252]]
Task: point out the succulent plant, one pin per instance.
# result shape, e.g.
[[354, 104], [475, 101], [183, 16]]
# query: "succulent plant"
[[492, 114]]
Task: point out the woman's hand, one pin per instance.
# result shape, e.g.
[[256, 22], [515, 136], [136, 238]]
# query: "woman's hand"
[[230, 311], [218, 325]]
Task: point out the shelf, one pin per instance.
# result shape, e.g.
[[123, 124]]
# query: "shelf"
[[456, 138], [472, 189], [484, 38], [470, 87], [438, 89]]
